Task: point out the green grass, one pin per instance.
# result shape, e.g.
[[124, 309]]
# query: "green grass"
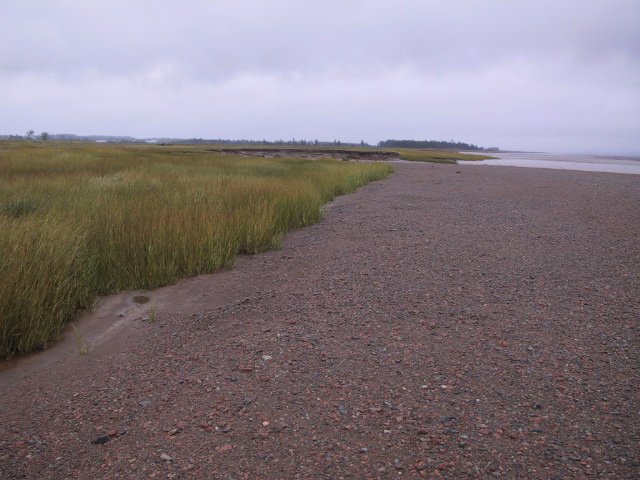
[[436, 156], [78, 221]]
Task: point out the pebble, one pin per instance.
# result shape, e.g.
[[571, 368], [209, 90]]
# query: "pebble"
[[101, 440], [166, 458]]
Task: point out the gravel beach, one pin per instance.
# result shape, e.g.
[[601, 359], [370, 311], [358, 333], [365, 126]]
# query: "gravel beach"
[[449, 322]]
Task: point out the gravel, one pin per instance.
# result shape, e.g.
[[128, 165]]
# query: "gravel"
[[477, 324]]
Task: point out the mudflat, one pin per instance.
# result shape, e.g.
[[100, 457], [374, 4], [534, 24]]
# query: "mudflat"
[[451, 321]]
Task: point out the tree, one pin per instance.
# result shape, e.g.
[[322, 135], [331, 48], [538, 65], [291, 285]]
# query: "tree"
[[44, 136], [30, 134]]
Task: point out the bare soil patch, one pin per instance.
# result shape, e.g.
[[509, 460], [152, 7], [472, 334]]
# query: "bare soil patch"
[[311, 153]]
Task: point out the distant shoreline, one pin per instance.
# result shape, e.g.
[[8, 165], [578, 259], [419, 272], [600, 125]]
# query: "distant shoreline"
[[559, 161]]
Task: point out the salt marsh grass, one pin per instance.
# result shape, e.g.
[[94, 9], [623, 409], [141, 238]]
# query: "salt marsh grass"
[[437, 156], [78, 221]]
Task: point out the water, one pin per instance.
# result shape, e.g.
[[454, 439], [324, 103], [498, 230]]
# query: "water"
[[588, 163]]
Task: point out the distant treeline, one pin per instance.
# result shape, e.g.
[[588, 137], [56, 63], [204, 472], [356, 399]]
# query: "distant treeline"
[[70, 137], [434, 144], [292, 142]]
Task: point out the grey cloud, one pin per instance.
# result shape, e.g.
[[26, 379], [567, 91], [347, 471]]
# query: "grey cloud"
[[225, 38], [508, 73]]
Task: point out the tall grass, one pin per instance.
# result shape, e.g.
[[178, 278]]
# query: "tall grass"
[[78, 221]]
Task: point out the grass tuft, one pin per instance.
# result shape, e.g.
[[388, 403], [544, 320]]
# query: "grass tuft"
[[19, 208], [83, 348]]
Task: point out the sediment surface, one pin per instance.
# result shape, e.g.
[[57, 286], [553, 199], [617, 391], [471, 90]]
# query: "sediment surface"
[[438, 324]]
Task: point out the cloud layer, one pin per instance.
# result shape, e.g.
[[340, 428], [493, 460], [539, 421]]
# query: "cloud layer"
[[555, 76]]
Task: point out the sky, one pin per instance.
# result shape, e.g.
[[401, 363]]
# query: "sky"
[[555, 76]]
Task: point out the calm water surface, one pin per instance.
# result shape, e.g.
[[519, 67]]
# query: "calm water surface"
[[589, 163]]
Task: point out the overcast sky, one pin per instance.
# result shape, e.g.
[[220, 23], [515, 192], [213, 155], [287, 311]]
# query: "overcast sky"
[[560, 76]]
